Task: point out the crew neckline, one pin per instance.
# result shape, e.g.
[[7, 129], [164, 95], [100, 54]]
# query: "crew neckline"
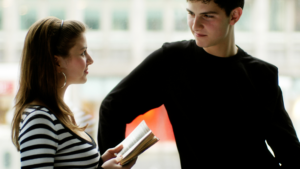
[[204, 54]]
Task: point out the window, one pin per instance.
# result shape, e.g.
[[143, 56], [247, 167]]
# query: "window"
[[119, 56], [1, 20], [91, 18], [297, 14], [154, 20], [7, 159], [59, 13], [2, 59], [28, 17], [277, 15], [277, 56], [18, 56], [180, 20], [97, 88], [97, 54], [120, 20], [244, 24]]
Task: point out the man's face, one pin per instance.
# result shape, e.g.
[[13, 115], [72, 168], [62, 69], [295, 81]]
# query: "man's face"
[[208, 23]]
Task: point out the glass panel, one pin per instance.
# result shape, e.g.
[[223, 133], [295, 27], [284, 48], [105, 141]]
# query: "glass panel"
[[1, 20], [7, 158], [59, 13], [297, 15], [119, 56], [28, 17], [181, 20], [1, 56], [277, 15], [277, 56], [120, 20], [154, 20], [97, 54], [91, 18], [97, 88], [18, 56], [244, 24]]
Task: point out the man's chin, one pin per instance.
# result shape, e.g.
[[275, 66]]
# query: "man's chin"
[[200, 44]]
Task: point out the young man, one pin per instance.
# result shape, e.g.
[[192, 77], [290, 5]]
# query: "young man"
[[223, 103]]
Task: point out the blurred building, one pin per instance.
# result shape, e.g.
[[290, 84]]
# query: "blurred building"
[[123, 32]]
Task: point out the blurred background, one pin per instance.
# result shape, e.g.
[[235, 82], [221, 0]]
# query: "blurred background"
[[121, 34]]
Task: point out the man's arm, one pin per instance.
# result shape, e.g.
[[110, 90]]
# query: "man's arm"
[[137, 93], [281, 135]]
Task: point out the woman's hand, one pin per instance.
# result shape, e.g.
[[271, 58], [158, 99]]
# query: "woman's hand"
[[114, 164], [111, 162], [110, 153]]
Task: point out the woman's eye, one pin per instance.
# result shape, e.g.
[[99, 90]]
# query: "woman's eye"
[[83, 54]]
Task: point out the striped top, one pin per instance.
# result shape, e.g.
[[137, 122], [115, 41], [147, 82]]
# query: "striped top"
[[47, 143]]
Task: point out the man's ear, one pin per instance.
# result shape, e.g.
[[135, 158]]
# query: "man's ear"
[[235, 15]]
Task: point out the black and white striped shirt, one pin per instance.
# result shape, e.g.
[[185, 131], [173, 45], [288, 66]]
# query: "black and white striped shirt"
[[46, 143]]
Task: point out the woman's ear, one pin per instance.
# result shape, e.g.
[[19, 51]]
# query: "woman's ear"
[[58, 61], [235, 15]]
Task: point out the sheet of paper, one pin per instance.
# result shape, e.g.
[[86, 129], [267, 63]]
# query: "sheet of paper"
[[135, 136]]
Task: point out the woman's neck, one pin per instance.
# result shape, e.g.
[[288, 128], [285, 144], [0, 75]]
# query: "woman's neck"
[[61, 92]]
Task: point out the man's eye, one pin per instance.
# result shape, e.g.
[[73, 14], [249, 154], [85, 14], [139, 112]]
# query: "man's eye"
[[208, 16], [190, 13]]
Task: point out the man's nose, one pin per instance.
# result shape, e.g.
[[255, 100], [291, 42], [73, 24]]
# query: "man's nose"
[[197, 25]]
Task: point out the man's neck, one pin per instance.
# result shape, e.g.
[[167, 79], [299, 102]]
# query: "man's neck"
[[226, 48]]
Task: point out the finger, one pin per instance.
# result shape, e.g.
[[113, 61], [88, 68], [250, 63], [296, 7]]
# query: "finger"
[[130, 164], [112, 163], [119, 158]]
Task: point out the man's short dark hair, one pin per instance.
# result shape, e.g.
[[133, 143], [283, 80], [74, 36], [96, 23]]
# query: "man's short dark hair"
[[227, 5]]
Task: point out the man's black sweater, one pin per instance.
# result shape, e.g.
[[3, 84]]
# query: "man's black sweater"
[[222, 109]]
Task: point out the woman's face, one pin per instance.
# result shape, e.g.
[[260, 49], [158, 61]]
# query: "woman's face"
[[75, 66]]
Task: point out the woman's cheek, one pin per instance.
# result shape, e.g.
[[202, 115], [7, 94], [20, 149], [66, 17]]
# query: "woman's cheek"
[[81, 63]]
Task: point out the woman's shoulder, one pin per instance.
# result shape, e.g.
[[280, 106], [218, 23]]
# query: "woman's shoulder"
[[37, 120], [37, 114], [37, 110]]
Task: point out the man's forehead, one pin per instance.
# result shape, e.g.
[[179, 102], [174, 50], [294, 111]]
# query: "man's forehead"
[[203, 6], [203, 1]]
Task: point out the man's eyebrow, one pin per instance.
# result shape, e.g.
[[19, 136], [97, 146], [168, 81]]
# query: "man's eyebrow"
[[208, 12], [189, 10]]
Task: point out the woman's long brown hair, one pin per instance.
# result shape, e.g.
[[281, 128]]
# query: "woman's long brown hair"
[[38, 76]]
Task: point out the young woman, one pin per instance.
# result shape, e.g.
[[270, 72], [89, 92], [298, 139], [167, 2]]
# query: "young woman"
[[44, 129]]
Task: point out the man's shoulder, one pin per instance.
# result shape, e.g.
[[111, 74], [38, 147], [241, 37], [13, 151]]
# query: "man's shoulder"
[[178, 45], [258, 65]]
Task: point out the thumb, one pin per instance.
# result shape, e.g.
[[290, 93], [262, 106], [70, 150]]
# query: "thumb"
[[116, 149]]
